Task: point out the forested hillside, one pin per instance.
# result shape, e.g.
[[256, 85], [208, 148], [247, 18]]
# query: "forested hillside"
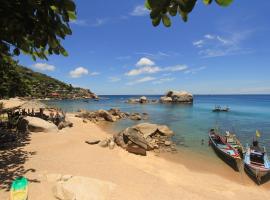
[[20, 81]]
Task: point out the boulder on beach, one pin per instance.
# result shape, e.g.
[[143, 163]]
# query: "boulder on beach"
[[106, 115], [144, 136], [148, 129], [39, 125], [177, 97], [83, 188]]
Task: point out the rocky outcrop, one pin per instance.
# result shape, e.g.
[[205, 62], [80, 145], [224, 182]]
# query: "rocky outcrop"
[[177, 97], [36, 124], [145, 137], [143, 99], [111, 115]]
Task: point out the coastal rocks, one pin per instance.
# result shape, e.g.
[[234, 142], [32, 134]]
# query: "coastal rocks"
[[177, 97], [82, 188], [143, 99], [64, 124], [104, 143], [136, 150], [111, 115], [135, 116], [144, 137], [40, 125], [165, 99], [106, 115]]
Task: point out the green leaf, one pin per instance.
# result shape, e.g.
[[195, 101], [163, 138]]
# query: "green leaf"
[[69, 5], [63, 51], [184, 15], [166, 20], [16, 51], [173, 10], [224, 2], [207, 2], [156, 21], [72, 15], [147, 5]]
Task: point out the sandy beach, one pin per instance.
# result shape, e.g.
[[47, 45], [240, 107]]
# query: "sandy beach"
[[130, 176]]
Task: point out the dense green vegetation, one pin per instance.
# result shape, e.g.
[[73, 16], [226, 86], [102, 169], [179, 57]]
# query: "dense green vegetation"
[[162, 9], [34, 27], [21, 81]]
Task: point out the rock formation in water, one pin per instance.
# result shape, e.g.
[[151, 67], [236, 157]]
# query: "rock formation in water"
[[177, 97]]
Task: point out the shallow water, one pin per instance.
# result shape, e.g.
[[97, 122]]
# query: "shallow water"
[[192, 122]]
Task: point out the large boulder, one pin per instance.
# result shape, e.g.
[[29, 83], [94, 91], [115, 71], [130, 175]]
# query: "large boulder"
[[83, 188], [165, 99], [39, 125], [177, 97], [143, 136], [148, 129], [106, 115], [143, 99]]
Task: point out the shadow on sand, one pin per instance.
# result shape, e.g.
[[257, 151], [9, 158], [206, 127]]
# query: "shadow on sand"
[[13, 157]]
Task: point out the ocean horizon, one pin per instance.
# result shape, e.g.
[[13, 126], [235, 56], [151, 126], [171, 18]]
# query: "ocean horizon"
[[190, 123]]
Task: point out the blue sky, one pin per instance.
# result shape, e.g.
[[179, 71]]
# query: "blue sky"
[[114, 49]]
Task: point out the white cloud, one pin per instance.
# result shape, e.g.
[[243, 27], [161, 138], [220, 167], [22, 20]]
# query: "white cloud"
[[145, 62], [158, 55], [44, 67], [143, 70], [99, 22], [141, 80], [94, 73], [114, 79], [78, 72], [215, 45], [139, 10], [145, 66], [163, 80], [194, 71], [79, 22], [176, 68]]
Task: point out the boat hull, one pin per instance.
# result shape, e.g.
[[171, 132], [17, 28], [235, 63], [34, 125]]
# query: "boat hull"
[[232, 162], [257, 175]]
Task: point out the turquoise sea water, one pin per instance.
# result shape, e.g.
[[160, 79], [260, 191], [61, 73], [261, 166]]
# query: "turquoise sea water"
[[191, 123]]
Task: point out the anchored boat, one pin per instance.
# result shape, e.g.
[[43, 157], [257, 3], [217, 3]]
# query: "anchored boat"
[[256, 163], [228, 148]]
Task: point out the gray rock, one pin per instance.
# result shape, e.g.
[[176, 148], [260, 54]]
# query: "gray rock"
[[91, 142], [148, 129], [104, 143], [135, 137], [135, 116], [177, 97], [168, 143], [39, 125], [106, 115], [136, 150], [111, 144], [143, 99]]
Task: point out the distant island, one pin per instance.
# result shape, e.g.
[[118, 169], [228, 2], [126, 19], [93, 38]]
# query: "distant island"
[[24, 82]]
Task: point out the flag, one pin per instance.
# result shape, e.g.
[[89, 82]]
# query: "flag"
[[258, 134]]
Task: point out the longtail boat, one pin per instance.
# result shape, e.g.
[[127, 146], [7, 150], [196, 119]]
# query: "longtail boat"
[[256, 163], [229, 150]]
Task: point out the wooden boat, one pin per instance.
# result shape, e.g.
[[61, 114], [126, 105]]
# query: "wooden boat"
[[19, 189], [219, 109], [230, 152], [256, 163]]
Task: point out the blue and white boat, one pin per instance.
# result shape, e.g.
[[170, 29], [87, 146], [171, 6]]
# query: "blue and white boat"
[[256, 163]]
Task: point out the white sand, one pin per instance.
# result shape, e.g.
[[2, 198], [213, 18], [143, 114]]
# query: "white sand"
[[135, 177]]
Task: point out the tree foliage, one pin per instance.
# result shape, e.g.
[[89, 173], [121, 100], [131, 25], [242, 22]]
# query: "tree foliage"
[[160, 10], [34, 27]]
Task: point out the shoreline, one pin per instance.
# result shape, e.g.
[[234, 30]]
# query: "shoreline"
[[156, 176]]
